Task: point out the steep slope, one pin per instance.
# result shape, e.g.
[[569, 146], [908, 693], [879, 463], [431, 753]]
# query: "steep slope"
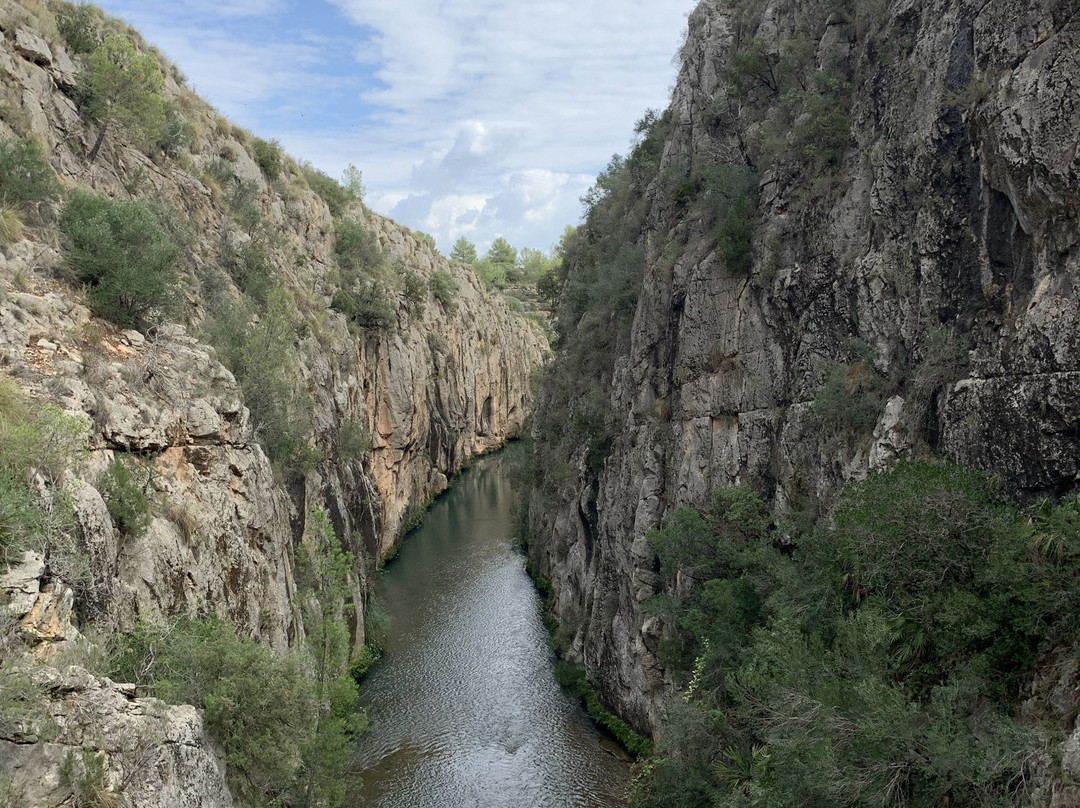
[[860, 241], [264, 395]]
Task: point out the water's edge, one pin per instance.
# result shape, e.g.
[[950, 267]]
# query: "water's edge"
[[465, 709]]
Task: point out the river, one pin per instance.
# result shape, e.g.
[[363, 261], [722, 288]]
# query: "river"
[[465, 710]]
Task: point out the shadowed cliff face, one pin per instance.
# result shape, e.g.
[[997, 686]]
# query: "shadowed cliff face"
[[914, 255]]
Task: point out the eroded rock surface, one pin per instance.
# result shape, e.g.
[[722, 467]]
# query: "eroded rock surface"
[[447, 380], [953, 211]]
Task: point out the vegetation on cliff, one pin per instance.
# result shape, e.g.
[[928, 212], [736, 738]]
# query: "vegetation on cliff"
[[877, 658], [287, 723], [893, 642], [199, 304]]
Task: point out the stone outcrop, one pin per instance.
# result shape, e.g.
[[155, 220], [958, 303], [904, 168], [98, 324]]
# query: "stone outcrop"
[[938, 257], [97, 739], [447, 380]]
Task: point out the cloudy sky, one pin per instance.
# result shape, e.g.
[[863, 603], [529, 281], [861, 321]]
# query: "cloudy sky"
[[480, 118]]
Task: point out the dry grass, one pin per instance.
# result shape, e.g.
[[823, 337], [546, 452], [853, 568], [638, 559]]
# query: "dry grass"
[[32, 14], [12, 402], [11, 225]]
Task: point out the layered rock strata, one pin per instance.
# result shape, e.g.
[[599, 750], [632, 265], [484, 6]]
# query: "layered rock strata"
[[951, 216]]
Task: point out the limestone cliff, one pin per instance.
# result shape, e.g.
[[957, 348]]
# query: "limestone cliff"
[[915, 256], [444, 379]]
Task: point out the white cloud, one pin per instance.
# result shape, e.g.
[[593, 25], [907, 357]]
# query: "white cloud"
[[515, 103], [474, 117]]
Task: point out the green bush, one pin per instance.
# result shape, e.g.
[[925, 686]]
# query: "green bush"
[[444, 289], [38, 447], [823, 133], [356, 249], [177, 133], [571, 677], [222, 172], [334, 194], [79, 26], [360, 666], [368, 308], [124, 492], [895, 640], [88, 780], [344, 302], [253, 271], [353, 441], [851, 399], [123, 87], [416, 293], [258, 706], [26, 179], [262, 356], [735, 236], [268, 156], [123, 256]]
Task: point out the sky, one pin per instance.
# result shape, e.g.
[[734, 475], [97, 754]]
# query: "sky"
[[475, 118]]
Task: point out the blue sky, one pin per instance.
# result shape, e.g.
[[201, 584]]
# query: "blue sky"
[[480, 118]]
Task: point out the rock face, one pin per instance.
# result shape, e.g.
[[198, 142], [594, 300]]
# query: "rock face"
[[156, 755], [447, 379], [937, 258]]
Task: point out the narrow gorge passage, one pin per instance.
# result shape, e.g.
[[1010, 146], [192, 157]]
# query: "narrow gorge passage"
[[464, 706]]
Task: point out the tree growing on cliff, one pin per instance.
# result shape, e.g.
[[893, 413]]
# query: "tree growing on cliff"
[[464, 251], [123, 256], [122, 87]]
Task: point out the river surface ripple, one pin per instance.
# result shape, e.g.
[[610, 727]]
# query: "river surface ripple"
[[465, 710]]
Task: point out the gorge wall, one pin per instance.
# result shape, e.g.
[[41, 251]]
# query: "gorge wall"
[[910, 285], [390, 413]]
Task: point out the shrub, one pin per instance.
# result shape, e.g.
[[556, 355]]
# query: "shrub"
[[572, 678], [44, 444], [415, 293], [360, 666], [851, 398], [221, 171], [368, 308], [268, 156], [177, 133], [344, 302], [444, 289], [253, 271], [824, 130], [256, 705], [262, 357], [336, 197], [735, 236], [897, 636], [124, 492], [353, 441], [79, 27], [26, 179], [123, 256], [356, 248], [35, 449], [21, 518], [11, 226], [122, 86], [88, 781]]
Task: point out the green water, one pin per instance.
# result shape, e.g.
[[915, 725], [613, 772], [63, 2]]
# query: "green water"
[[464, 704]]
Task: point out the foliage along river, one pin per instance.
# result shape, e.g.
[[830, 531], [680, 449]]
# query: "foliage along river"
[[465, 710]]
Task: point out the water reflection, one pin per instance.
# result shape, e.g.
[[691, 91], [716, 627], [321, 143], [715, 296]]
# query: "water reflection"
[[464, 705]]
